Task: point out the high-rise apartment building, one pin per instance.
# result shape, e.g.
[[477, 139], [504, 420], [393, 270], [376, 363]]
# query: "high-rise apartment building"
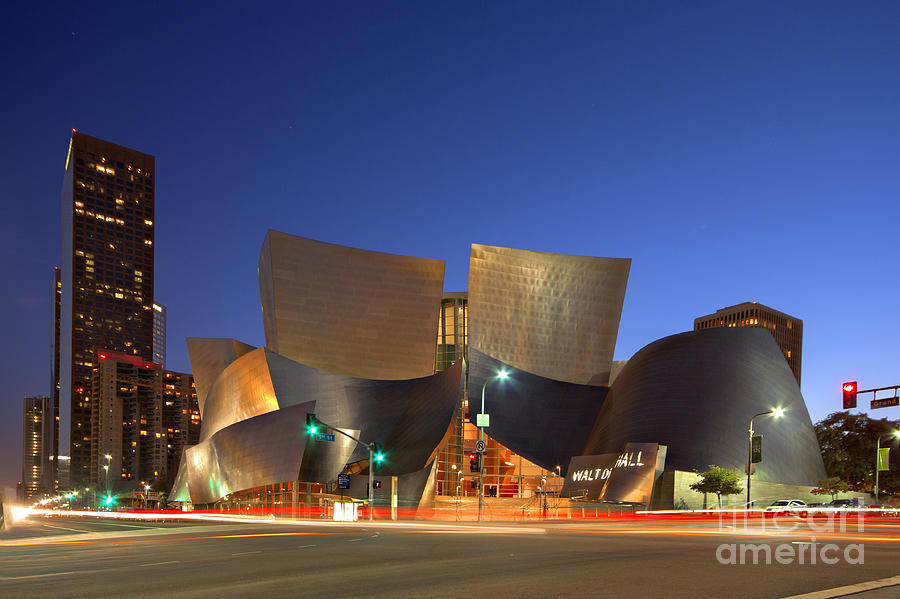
[[56, 303], [181, 419], [37, 455], [106, 291], [144, 418], [787, 330], [159, 334]]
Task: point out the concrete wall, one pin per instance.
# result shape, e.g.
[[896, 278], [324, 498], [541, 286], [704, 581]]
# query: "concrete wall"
[[674, 487]]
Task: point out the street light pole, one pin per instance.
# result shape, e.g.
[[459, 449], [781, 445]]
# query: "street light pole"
[[501, 376], [106, 468], [777, 412]]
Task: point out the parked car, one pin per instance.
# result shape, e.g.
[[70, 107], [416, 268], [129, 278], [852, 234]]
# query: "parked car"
[[785, 506], [885, 510]]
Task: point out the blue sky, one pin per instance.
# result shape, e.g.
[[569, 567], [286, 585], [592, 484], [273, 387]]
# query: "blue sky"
[[734, 150]]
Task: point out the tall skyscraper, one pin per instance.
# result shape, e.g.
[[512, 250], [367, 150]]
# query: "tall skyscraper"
[[56, 303], [106, 275], [145, 417], [37, 433], [787, 330], [159, 334]]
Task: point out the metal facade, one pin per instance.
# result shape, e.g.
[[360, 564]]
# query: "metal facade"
[[349, 311], [695, 392], [543, 420], [209, 357], [254, 424], [552, 315]]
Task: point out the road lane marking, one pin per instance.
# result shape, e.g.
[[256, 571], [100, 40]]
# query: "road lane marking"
[[850, 589], [162, 563], [120, 524], [36, 575], [246, 552], [351, 540], [121, 538], [273, 534], [304, 546], [64, 528]]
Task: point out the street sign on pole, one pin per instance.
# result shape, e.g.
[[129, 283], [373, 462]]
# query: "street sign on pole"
[[756, 449], [324, 437], [343, 481], [480, 446], [887, 402], [482, 420]]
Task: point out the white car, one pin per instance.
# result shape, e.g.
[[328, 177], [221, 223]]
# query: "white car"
[[785, 506]]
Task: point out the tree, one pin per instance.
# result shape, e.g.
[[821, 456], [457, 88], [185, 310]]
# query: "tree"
[[848, 442], [831, 486], [720, 481]]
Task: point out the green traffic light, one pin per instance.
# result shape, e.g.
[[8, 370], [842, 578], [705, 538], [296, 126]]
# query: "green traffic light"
[[313, 430], [379, 457], [109, 500]]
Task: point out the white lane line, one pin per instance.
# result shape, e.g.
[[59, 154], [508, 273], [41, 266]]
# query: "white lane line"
[[850, 589], [351, 540], [161, 563], [128, 525], [304, 546], [36, 575], [246, 552], [64, 528]]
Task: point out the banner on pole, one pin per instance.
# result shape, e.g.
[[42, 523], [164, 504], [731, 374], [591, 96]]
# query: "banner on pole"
[[883, 455]]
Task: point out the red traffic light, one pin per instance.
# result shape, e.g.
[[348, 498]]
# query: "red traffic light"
[[849, 390]]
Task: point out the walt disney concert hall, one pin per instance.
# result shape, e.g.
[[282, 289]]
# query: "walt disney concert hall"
[[372, 345]]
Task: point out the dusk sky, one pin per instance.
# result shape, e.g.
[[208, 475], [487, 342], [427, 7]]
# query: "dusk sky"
[[734, 151]]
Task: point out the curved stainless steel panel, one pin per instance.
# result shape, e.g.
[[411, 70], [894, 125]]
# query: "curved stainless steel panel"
[[257, 451], [543, 420], [349, 311], [209, 357], [273, 394], [552, 315], [695, 392], [243, 390]]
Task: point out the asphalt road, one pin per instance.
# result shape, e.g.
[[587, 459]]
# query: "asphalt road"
[[88, 557]]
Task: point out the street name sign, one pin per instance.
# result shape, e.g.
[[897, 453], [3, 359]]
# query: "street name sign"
[[887, 402]]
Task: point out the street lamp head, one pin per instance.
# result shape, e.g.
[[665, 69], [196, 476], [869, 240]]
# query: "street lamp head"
[[105, 467], [896, 434], [502, 375], [778, 412], [108, 457]]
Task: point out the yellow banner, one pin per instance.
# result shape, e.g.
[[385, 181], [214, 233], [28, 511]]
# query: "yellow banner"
[[883, 454]]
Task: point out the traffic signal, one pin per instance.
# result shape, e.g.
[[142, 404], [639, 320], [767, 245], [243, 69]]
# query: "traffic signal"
[[312, 425], [849, 390], [109, 500], [378, 456], [474, 462]]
